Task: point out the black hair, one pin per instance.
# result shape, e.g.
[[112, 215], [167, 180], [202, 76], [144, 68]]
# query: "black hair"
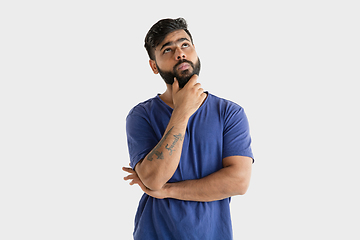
[[160, 30]]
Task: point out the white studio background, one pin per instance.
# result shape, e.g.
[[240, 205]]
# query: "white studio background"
[[70, 72]]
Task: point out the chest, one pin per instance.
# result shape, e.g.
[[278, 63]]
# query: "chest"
[[202, 148]]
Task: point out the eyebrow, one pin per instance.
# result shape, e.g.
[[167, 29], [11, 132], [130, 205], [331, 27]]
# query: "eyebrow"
[[172, 43]]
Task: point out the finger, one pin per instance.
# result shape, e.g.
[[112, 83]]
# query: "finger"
[[136, 181], [129, 170], [193, 80], [203, 95], [132, 176], [175, 86], [197, 85]]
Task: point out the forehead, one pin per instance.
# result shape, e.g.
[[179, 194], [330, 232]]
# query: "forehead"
[[173, 37]]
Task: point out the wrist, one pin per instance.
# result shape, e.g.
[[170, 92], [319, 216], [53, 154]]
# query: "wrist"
[[180, 116], [167, 190]]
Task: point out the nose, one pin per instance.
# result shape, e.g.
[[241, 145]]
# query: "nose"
[[179, 54]]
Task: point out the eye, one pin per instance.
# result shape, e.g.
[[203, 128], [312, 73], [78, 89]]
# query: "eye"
[[167, 50], [185, 45]]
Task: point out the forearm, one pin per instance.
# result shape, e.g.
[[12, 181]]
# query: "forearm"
[[161, 163], [217, 186]]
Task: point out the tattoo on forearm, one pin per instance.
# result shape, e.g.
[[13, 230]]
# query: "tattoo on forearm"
[[177, 138], [159, 154], [155, 150]]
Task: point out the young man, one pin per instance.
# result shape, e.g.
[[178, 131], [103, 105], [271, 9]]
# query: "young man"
[[189, 150]]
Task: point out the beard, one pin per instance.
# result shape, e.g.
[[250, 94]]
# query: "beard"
[[183, 76]]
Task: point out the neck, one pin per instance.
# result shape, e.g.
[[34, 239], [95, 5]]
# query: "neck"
[[167, 96]]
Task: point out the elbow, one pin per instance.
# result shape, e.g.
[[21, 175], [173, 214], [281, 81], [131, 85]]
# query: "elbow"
[[149, 179], [152, 184], [242, 186], [242, 190], [242, 182]]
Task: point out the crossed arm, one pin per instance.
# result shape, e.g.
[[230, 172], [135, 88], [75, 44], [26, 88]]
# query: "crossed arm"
[[233, 179]]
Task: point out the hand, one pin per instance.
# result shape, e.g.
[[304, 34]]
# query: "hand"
[[160, 194], [188, 99]]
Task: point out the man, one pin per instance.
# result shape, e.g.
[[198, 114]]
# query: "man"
[[189, 150]]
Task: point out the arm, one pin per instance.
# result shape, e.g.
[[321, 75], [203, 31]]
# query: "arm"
[[233, 179], [160, 164]]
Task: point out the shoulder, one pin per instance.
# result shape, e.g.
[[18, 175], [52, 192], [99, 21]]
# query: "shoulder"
[[231, 113], [144, 108], [225, 105]]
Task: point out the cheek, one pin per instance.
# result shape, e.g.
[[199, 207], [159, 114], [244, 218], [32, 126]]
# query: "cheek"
[[192, 56], [163, 64]]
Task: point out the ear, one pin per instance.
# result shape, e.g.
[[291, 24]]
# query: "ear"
[[153, 66]]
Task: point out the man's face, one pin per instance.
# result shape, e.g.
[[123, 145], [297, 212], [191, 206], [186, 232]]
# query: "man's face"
[[176, 57]]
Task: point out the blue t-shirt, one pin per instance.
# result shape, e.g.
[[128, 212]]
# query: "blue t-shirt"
[[218, 129]]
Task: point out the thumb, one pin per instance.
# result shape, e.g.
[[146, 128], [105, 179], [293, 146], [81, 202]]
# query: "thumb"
[[175, 86]]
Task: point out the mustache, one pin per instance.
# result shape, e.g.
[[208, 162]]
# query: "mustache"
[[183, 61]]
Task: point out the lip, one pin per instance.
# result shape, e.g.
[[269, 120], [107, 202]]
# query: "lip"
[[183, 66]]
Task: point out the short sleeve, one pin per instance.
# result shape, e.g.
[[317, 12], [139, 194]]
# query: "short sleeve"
[[237, 140], [141, 137]]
